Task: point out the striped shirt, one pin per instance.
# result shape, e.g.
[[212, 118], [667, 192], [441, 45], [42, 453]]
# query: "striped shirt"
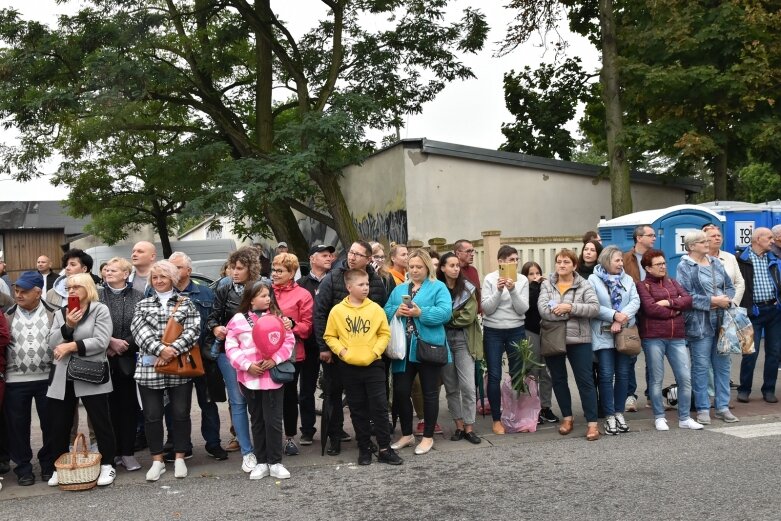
[[764, 289], [147, 328]]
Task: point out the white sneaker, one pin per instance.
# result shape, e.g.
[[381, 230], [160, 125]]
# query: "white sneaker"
[[278, 470], [631, 404], [53, 481], [107, 475], [689, 423], [180, 468], [661, 424], [249, 462], [259, 472], [157, 470], [130, 463]]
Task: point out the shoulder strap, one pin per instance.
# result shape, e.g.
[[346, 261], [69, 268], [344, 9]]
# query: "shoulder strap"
[[250, 320]]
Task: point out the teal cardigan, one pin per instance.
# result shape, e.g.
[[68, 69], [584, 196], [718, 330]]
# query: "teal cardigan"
[[436, 308]]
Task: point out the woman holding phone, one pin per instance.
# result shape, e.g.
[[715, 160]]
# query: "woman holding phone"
[[81, 331]]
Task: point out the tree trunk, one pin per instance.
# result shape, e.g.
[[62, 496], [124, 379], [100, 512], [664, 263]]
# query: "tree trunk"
[[285, 227], [161, 223], [344, 225], [720, 176], [620, 188]]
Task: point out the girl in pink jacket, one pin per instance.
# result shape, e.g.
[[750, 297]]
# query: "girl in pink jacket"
[[264, 395]]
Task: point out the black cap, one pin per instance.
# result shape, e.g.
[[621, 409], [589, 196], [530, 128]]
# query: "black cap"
[[321, 247]]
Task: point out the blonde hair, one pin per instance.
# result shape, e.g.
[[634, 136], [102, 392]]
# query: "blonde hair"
[[166, 269], [426, 258], [84, 280], [122, 263], [288, 261], [382, 269]]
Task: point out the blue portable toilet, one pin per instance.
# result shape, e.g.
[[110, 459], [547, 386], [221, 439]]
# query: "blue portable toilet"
[[742, 219], [671, 225]]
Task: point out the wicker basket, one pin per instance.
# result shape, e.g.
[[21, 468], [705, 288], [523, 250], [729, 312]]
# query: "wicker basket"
[[78, 469]]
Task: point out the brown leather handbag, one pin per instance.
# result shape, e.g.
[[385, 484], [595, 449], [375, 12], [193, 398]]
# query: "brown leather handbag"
[[186, 365]]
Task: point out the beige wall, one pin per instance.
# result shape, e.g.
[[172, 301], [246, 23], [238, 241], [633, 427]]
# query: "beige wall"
[[376, 186]]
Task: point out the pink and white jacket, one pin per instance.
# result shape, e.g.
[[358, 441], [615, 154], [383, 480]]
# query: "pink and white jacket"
[[241, 352]]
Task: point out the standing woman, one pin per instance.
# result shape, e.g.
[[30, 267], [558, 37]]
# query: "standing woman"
[[466, 345], [589, 257], [147, 327], [426, 314], [296, 305], [711, 289], [568, 297], [378, 262], [121, 300], [618, 305], [505, 303], [244, 268], [81, 333], [532, 271], [398, 262]]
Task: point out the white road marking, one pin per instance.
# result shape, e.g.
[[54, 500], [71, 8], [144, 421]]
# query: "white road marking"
[[751, 431]]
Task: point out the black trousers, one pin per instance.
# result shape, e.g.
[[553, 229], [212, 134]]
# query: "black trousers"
[[98, 411], [265, 411], [366, 397], [402, 390], [290, 403], [123, 403], [180, 398], [333, 391], [19, 398], [310, 371]]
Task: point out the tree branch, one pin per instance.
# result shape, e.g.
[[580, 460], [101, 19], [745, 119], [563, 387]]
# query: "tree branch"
[[311, 212]]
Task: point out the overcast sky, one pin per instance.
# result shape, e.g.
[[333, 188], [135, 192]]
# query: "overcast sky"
[[467, 113]]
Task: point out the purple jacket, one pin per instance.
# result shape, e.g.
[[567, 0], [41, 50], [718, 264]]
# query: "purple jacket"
[[655, 321]]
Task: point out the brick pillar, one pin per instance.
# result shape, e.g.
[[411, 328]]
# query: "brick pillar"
[[437, 244]]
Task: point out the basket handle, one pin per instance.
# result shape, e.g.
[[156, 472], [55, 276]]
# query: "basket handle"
[[75, 449]]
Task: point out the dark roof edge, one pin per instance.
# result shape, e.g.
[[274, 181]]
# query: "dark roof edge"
[[488, 155]]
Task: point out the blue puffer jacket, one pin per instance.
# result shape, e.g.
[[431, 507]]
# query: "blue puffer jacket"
[[436, 308], [630, 303], [701, 320]]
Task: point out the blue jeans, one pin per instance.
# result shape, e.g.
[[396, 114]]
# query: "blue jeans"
[[675, 349], [613, 379], [495, 343], [238, 404], [768, 321], [705, 356], [581, 358]]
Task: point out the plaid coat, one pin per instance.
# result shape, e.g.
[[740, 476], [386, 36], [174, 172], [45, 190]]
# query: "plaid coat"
[[147, 329]]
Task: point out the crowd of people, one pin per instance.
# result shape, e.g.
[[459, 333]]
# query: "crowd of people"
[[339, 317]]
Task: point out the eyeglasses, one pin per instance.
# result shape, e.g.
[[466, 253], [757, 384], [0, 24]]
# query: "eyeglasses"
[[659, 265], [378, 257], [279, 270], [468, 252], [73, 288], [648, 235], [356, 254]]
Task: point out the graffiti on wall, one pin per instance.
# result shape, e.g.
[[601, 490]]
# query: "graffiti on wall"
[[384, 227]]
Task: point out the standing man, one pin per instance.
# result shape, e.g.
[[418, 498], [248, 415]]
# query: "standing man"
[[644, 237], [203, 298], [142, 257], [74, 261], [44, 265], [27, 376], [760, 269], [331, 292], [465, 253], [775, 247], [320, 259]]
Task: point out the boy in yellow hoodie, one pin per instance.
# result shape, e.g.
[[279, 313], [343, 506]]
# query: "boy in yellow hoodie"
[[357, 332]]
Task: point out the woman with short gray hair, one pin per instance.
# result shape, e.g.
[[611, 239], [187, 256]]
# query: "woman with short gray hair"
[[618, 305], [704, 278]]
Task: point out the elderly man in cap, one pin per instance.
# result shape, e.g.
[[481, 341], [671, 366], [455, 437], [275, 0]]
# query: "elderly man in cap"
[[29, 361], [320, 258]]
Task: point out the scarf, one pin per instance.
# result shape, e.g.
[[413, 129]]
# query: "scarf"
[[238, 288], [613, 285]]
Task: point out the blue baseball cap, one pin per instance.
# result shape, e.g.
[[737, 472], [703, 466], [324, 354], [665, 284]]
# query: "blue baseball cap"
[[29, 280]]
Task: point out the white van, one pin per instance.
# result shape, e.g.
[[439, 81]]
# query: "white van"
[[208, 256]]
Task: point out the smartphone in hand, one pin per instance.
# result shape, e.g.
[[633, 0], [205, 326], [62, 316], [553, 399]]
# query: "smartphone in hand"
[[407, 300], [73, 303]]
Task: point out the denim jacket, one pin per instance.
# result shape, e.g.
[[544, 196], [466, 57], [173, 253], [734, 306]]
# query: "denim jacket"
[[630, 304], [701, 320]]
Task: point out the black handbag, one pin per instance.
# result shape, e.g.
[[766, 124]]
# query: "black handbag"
[[87, 371], [428, 352], [283, 373]]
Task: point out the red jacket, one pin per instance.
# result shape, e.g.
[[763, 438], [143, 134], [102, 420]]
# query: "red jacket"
[[655, 321], [297, 304]]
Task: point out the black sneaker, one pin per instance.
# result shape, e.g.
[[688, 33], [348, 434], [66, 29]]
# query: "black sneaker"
[[334, 447], [471, 437], [217, 453], [364, 457], [390, 457], [457, 436], [5, 467], [547, 415], [345, 437], [170, 456], [26, 480], [306, 439]]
